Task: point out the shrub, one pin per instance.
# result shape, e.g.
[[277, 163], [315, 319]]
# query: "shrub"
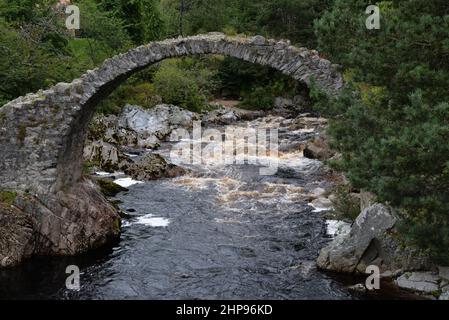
[[184, 83], [346, 205]]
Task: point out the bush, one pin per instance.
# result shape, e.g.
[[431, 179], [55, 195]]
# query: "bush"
[[257, 85], [178, 88], [140, 94], [259, 98], [184, 83], [346, 205]]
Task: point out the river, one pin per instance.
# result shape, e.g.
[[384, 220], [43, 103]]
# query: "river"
[[219, 232]]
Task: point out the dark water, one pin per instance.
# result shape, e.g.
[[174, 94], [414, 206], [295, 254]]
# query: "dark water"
[[221, 232]]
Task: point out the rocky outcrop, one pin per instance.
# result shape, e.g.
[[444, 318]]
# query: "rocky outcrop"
[[65, 223], [154, 125], [223, 115], [345, 253], [290, 107], [319, 149], [138, 129], [106, 156], [426, 282], [16, 235], [151, 167], [371, 241]]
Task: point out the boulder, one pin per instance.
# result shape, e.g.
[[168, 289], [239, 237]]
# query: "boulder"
[[443, 272], [425, 282], [221, 116], [345, 254], [371, 241], [444, 296], [67, 223], [106, 156], [286, 107], [153, 166], [109, 188], [16, 233], [319, 149], [156, 124]]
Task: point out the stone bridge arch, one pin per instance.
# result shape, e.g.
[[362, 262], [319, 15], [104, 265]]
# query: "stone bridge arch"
[[42, 134]]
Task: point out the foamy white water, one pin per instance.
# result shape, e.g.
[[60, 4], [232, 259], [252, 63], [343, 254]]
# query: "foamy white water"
[[127, 182], [152, 221]]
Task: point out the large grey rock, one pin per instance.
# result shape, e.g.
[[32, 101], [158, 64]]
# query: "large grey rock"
[[443, 272], [66, 223], [425, 282], [290, 107], [106, 156], [16, 234], [444, 296], [153, 166], [222, 116], [345, 253], [371, 241], [319, 149], [156, 124]]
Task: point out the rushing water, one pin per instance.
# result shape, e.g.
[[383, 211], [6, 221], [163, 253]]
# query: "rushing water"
[[220, 232]]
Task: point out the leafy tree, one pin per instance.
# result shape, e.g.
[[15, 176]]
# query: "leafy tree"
[[142, 18], [391, 121]]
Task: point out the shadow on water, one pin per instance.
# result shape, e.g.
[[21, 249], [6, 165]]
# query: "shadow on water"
[[44, 277]]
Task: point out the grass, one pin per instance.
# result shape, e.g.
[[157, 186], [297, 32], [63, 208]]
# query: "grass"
[[8, 197]]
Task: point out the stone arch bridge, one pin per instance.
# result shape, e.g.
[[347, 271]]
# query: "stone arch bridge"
[[42, 137]]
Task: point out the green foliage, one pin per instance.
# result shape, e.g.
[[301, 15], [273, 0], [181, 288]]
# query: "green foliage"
[[259, 98], [257, 85], [391, 122], [8, 197], [134, 93], [346, 205], [38, 52], [32, 57], [290, 19], [184, 82], [177, 87], [109, 188], [142, 18]]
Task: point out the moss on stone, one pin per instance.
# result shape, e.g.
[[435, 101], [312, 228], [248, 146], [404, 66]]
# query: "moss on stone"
[[22, 134], [117, 225], [8, 197], [2, 118], [89, 167], [109, 188]]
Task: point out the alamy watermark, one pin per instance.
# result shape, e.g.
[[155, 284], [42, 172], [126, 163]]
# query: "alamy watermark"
[[236, 145], [73, 20], [373, 20], [73, 280], [373, 281]]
